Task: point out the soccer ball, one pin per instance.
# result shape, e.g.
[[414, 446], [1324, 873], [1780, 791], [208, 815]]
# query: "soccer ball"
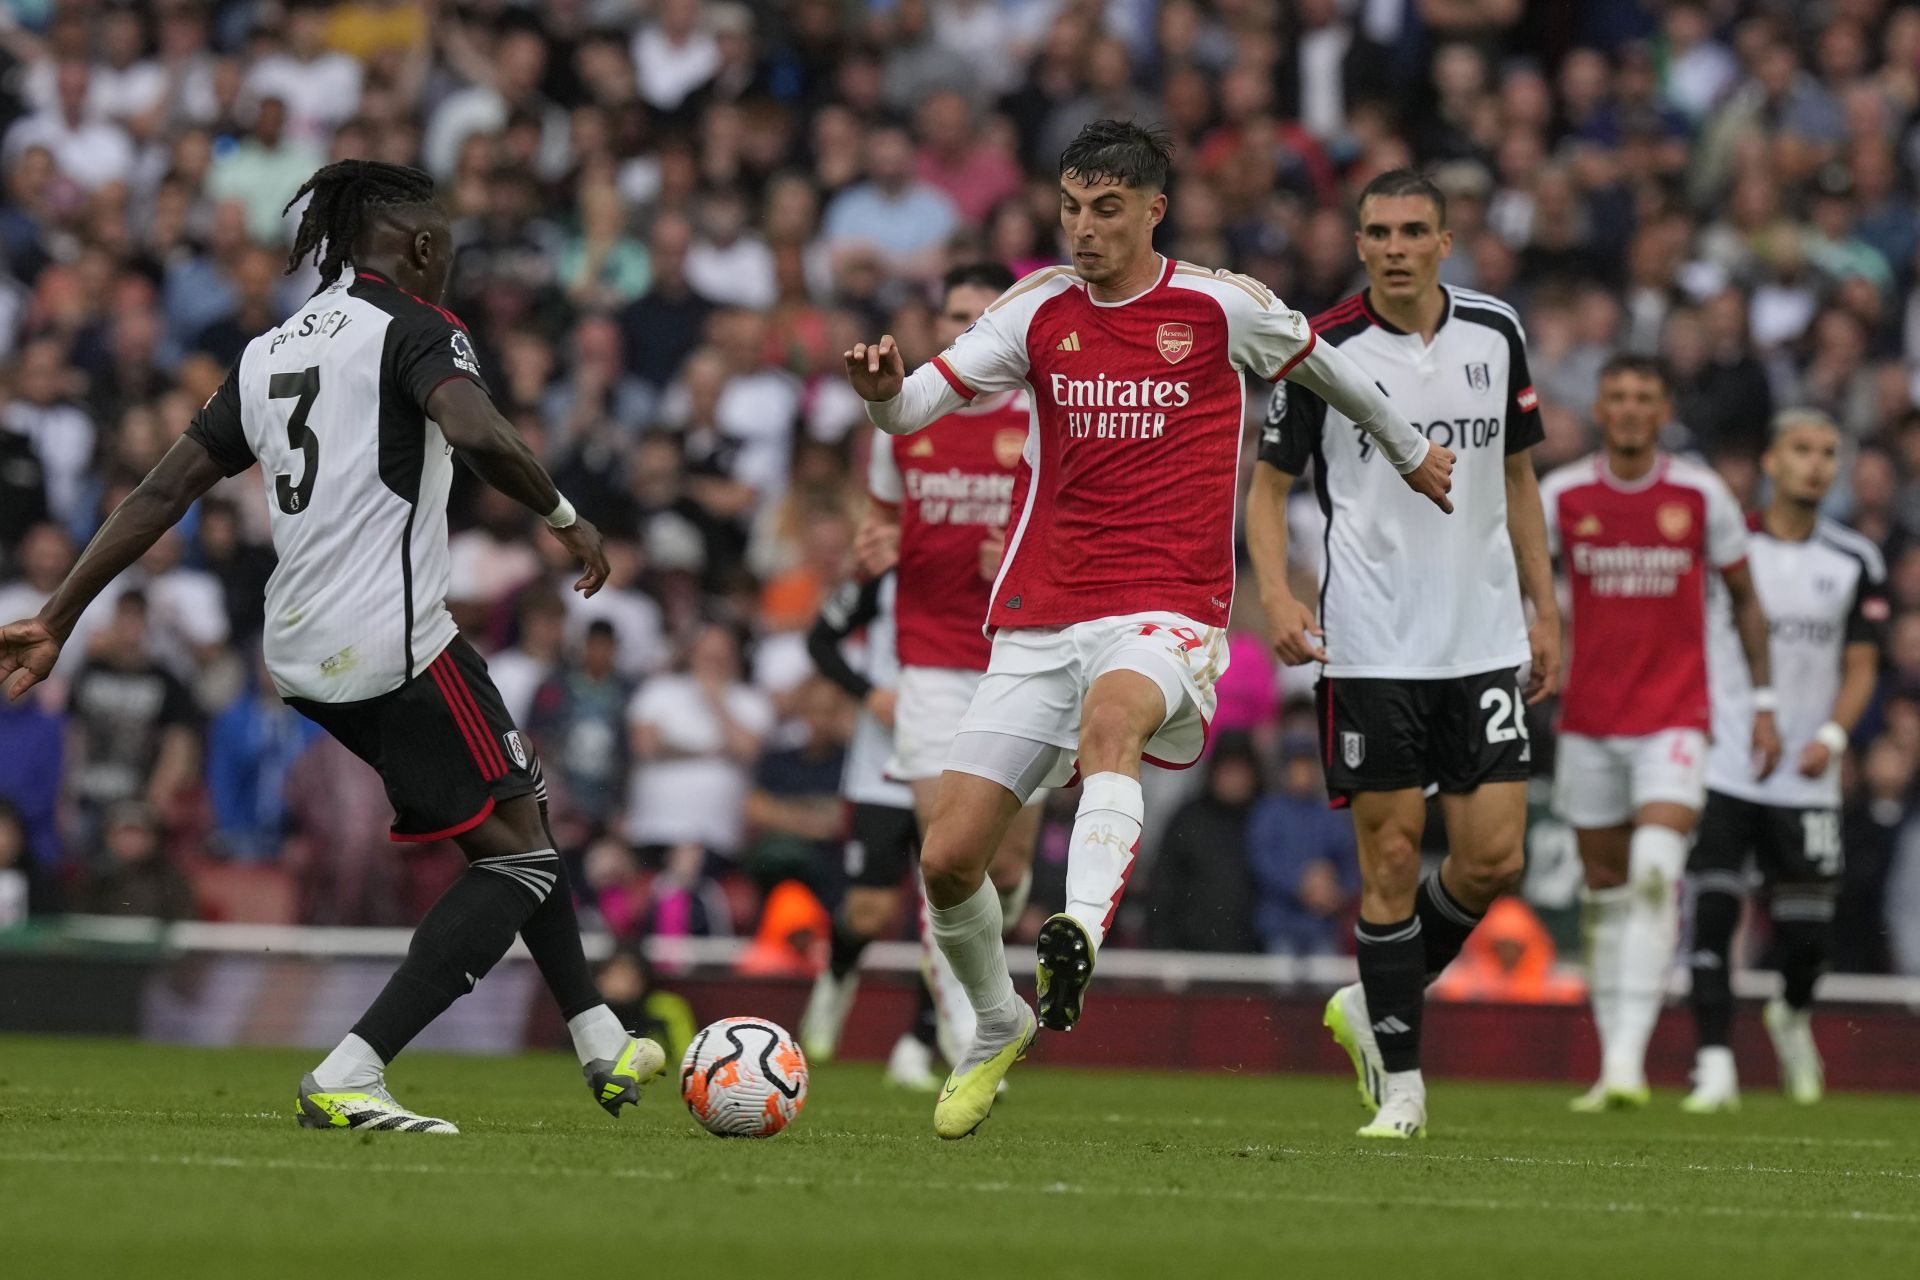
[[744, 1078]]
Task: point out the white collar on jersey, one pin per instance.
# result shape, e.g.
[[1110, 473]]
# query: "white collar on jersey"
[[1654, 475], [1166, 269]]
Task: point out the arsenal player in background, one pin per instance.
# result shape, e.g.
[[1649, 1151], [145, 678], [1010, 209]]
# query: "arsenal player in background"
[[1637, 531], [1109, 606]]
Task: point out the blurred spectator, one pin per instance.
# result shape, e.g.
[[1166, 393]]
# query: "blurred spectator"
[[318, 87], [616, 887], [602, 266], [264, 171], [1510, 958], [1305, 868], [16, 869], [890, 214], [795, 810], [632, 990], [667, 321], [347, 868], [490, 561], [134, 877], [975, 175], [535, 656], [578, 725], [32, 742], [1202, 896], [61, 433], [136, 736], [694, 735], [88, 151], [251, 748]]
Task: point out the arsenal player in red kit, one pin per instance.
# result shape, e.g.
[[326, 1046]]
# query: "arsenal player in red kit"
[[1109, 606], [1637, 531]]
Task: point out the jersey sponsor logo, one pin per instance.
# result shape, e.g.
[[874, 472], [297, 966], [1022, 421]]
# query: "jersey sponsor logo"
[[954, 496], [463, 353], [1675, 520], [1353, 748], [1175, 340], [1449, 433], [1802, 630], [1008, 444], [1069, 343], [519, 753], [1477, 376], [1632, 571], [1136, 399]]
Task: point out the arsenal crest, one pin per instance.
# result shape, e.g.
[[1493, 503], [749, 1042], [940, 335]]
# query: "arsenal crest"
[[1353, 748], [1675, 520], [1008, 444], [1477, 377], [1176, 341]]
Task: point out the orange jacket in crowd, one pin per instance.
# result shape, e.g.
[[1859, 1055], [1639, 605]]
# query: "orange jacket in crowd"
[[1510, 957]]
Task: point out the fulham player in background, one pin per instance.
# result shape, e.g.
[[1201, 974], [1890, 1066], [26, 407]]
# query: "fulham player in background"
[[1421, 632], [1111, 600], [1824, 589], [1637, 532]]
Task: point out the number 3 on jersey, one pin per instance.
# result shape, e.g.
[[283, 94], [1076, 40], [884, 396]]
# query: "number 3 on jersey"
[[301, 388]]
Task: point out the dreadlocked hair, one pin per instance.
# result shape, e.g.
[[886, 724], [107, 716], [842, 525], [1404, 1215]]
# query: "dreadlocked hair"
[[343, 192]]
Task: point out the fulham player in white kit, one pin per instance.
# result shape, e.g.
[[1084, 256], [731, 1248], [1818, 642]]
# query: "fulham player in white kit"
[[1421, 633], [1637, 532], [353, 410], [1824, 589], [1110, 602]]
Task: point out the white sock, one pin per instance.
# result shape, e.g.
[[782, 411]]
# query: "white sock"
[[352, 1065], [969, 936], [1606, 922], [1405, 1082], [1013, 902], [954, 1021], [1655, 862], [597, 1033], [1106, 835]]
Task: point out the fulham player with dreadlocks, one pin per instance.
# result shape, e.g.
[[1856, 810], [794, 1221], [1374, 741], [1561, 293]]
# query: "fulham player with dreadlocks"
[[353, 409]]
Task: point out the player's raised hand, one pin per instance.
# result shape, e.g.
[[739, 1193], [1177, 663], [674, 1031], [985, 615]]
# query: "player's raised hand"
[[1543, 678], [876, 545], [583, 540], [1766, 744], [1434, 477], [27, 654], [1293, 623], [875, 369]]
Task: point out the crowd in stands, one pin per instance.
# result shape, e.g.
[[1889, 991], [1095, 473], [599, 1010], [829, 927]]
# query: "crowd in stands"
[[673, 216]]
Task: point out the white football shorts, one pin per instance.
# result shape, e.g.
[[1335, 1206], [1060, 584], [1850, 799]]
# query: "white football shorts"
[[1038, 678], [1603, 782], [933, 701]]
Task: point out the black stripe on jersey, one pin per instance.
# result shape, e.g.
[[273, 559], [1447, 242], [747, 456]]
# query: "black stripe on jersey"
[[1524, 429], [1856, 544], [406, 580], [1342, 320]]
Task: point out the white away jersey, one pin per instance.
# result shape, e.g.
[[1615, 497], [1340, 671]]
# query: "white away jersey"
[[1406, 591], [332, 404], [1820, 596]]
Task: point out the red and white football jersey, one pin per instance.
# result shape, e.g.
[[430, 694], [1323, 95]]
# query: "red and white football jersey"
[[1127, 501], [953, 483], [1637, 557]]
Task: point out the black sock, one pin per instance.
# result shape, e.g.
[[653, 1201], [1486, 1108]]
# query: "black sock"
[[552, 935], [926, 1018], [1444, 924], [1716, 913], [1802, 920], [463, 936], [1393, 975], [844, 952]]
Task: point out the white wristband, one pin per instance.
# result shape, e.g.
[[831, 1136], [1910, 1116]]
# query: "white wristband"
[[1764, 700], [1832, 737], [561, 516]]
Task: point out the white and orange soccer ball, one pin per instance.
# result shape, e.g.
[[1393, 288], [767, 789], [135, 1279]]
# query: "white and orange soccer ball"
[[744, 1078]]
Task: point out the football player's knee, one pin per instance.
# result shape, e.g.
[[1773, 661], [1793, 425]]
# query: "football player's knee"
[[870, 912], [1393, 865], [1489, 877], [951, 871]]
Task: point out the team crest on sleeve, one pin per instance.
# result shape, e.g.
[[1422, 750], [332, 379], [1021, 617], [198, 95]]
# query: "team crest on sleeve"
[[1675, 520], [1008, 444], [519, 753], [1477, 376], [463, 354], [1353, 748], [1175, 340]]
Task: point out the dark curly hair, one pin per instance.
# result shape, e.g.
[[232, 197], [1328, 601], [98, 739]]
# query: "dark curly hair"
[[342, 194], [1120, 151]]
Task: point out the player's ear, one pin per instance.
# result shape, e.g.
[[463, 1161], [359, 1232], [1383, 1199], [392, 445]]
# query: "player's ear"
[[422, 248], [1157, 210]]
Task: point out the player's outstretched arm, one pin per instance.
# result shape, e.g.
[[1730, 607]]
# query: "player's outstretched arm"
[[1751, 622], [494, 451], [1296, 633], [1333, 376], [29, 648], [1527, 531], [896, 403]]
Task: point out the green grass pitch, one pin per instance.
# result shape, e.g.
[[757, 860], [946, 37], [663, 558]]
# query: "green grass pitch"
[[126, 1160]]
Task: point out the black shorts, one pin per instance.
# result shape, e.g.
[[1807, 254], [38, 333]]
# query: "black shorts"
[[882, 845], [442, 743], [1457, 733], [1788, 845]]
